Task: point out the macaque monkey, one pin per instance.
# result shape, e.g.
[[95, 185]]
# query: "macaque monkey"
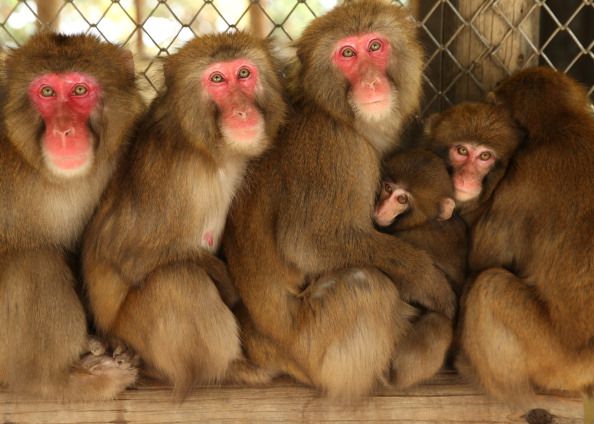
[[477, 141], [527, 318], [149, 252], [69, 104], [311, 269], [416, 203]]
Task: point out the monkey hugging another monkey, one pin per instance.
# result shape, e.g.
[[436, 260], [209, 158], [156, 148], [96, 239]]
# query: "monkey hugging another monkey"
[[324, 293], [523, 176]]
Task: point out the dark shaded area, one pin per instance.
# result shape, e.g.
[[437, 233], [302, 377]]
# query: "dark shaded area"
[[562, 49]]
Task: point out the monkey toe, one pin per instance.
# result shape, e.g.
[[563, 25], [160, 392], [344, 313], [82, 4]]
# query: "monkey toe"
[[104, 363], [95, 346]]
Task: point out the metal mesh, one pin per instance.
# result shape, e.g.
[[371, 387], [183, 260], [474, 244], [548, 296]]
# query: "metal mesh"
[[470, 44]]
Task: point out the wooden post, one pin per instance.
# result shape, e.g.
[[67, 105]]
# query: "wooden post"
[[589, 410], [139, 17], [413, 6], [47, 13], [495, 47], [257, 19]]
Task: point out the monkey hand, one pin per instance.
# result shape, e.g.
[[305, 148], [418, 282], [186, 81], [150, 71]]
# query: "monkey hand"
[[429, 288]]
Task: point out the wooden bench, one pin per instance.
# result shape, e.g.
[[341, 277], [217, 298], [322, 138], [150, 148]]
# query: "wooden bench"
[[447, 398]]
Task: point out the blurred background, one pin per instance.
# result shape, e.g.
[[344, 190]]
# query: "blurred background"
[[470, 44]]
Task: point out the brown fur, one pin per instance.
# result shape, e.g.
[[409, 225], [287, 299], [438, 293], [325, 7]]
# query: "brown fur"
[[308, 213], [149, 280], [480, 123], [43, 331], [528, 317], [424, 175]]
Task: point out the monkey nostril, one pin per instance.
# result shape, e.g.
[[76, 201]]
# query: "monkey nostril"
[[241, 113]]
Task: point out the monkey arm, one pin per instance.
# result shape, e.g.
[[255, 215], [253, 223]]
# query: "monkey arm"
[[412, 269], [137, 270], [492, 241]]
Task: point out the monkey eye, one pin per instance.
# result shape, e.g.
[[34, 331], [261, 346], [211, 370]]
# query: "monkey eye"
[[462, 150], [244, 73], [217, 78], [485, 156], [402, 199], [47, 91], [375, 45], [388, 188], [347, 52], [80, 90]]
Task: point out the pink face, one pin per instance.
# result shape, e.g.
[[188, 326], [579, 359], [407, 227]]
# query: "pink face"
[[232, 86], [363, 60], [393, 201], [470, 163], [65, 103]]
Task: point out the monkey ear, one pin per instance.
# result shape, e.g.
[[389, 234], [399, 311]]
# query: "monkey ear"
[[446, 208]]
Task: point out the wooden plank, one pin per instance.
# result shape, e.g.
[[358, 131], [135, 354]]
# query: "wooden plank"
[[444, 399]]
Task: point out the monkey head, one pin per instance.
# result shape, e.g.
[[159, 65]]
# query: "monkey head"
[[68, 100], [220, 82], [537, 92], [476, 140], [361, 61], [416, 189]]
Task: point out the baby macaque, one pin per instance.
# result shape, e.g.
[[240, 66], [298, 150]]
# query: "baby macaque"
[[416, 204]]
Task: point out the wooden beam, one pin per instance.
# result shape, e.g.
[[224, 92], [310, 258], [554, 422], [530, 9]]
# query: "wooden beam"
[[257, 19], [446, 398], [489, 48], [47, 13]]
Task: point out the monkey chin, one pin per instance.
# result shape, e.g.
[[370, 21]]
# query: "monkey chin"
[[247, 140], [375, 110], [68, 166], [466, 196]]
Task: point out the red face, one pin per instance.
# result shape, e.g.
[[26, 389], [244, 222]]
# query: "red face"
[[232, 86], [470, 163], [65, 103], [363, 60]]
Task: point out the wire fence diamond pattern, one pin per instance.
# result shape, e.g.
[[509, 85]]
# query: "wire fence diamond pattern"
[[470, 44]]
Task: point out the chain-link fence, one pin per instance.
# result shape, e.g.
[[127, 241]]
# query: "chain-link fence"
[[470, 44]]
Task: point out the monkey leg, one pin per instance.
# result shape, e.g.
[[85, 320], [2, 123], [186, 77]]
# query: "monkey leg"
[[341, 334], [106, 291], [44, 333], [509, 343], [422, 351], [267, 359], [350, 322], [178, 323]]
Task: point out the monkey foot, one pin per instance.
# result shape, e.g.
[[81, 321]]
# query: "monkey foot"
[[121, 372], [124, 354], [242, 371]]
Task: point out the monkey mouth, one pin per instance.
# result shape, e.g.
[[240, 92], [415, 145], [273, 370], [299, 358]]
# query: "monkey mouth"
[[68, 165]]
